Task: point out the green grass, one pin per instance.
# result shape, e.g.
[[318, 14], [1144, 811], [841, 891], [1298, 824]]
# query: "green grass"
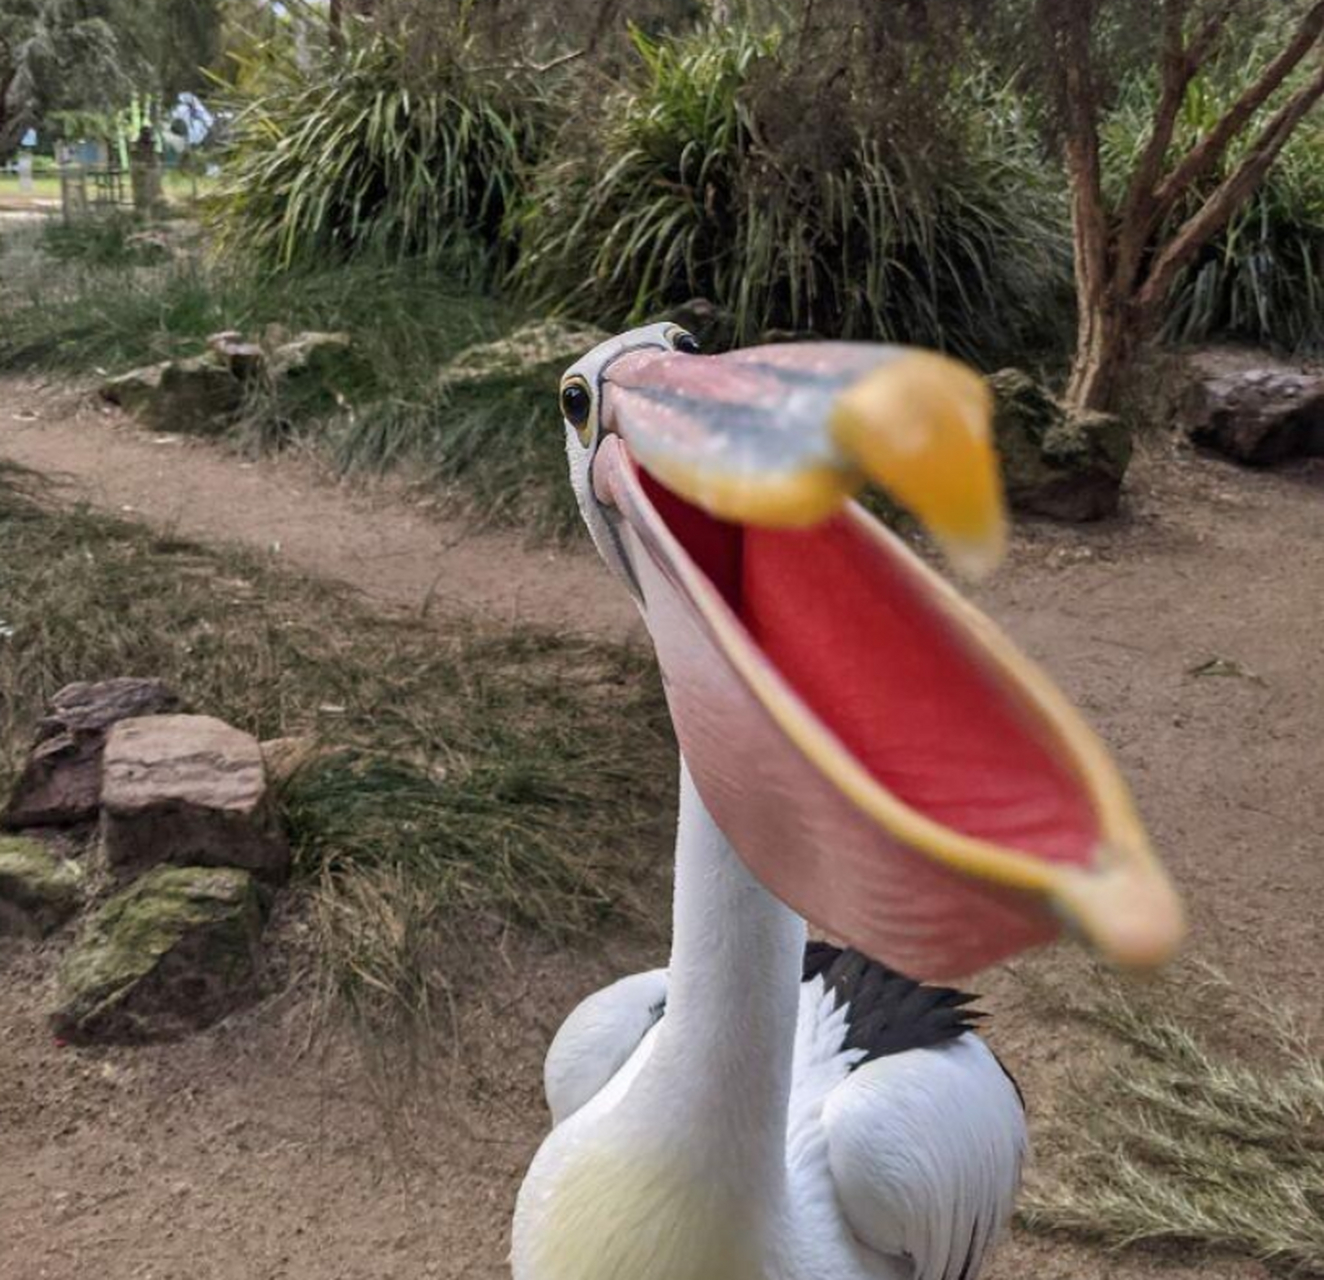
[[1181, 1139], [517, 775]]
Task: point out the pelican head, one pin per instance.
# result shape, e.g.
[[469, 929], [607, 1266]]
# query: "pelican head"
[[877, 752]]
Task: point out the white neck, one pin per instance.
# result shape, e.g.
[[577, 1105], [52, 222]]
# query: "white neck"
[[719, 1075]]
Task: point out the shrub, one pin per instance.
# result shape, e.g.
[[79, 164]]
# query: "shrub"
[[692, 187], [366, 152]]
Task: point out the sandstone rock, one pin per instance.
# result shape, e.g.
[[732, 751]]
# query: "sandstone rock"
[[532, 346], [198, 396], [150, 245], [189, 790], [1258, 416], [311, 355], [172, 953], [136, 390], [61, 783], [1054, 463], [38, 891]]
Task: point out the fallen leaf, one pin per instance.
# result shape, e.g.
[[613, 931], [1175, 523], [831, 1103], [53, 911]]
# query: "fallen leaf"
[[1217, 666]]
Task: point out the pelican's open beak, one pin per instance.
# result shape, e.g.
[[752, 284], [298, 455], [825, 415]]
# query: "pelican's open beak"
[[876, 750]]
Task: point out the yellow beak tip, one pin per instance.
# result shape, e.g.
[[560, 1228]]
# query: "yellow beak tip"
[[921, 426], [1132, 917]]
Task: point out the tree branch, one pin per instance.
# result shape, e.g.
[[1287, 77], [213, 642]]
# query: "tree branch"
[[1228, 197], [1180, 62], [1071, 22], [1209, 152]]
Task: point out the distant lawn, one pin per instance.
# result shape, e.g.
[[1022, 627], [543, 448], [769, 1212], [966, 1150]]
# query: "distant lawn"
[[179, 188], [11, 192]]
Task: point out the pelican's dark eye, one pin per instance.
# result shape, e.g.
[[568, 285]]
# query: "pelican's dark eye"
[[576, 404], [686, 343]]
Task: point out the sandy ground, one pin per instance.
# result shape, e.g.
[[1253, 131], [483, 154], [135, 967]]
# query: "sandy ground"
[[245, 1154]]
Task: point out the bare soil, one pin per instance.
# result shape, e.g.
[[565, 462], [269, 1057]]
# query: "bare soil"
[[246, 1153]]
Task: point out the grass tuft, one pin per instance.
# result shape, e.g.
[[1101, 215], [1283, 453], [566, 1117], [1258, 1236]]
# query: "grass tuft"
[[1183, 1141]]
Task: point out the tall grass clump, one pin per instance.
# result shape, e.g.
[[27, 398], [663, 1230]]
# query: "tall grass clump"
[[1262, 278], [368, 152], [717, 171], [1183, 1140]]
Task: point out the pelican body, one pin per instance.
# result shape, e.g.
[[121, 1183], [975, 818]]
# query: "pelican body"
[[861, 750]]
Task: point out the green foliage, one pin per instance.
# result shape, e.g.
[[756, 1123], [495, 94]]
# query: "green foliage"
[[363, 153], [1183, 1140], [689, 184], [54, 54], [1261, 279]]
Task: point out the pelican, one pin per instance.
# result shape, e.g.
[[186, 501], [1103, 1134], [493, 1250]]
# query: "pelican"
[[861, 750]]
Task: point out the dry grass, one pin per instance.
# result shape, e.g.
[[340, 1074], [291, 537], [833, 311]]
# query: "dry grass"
[[1183, 1140], [518, 776]]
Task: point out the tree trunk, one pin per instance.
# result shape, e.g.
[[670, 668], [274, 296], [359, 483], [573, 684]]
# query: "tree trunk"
[[1106, 344]]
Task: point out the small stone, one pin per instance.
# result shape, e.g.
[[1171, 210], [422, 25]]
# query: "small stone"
[[172, 953], [38, 891], [190, 790], [61, 783]]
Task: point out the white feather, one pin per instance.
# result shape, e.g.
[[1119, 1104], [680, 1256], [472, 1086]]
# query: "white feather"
[[597, 1039], [925, 1149], [907, 1166]]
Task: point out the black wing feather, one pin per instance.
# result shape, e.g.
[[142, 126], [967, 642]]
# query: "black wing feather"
[[886, 1012]]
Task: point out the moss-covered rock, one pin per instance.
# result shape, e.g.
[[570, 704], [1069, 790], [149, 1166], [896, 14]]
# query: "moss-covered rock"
[[528, 350], [1056, 463], [170, 954], [38, 891], [195, 396]]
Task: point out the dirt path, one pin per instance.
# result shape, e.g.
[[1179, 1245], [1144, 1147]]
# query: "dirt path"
[[237, 1156], [386, 544]]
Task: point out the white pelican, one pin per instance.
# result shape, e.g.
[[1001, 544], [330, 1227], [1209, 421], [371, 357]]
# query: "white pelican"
[[860, 748]]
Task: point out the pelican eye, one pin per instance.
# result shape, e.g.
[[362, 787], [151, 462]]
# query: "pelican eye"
[[686, 343], [576, 404]]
